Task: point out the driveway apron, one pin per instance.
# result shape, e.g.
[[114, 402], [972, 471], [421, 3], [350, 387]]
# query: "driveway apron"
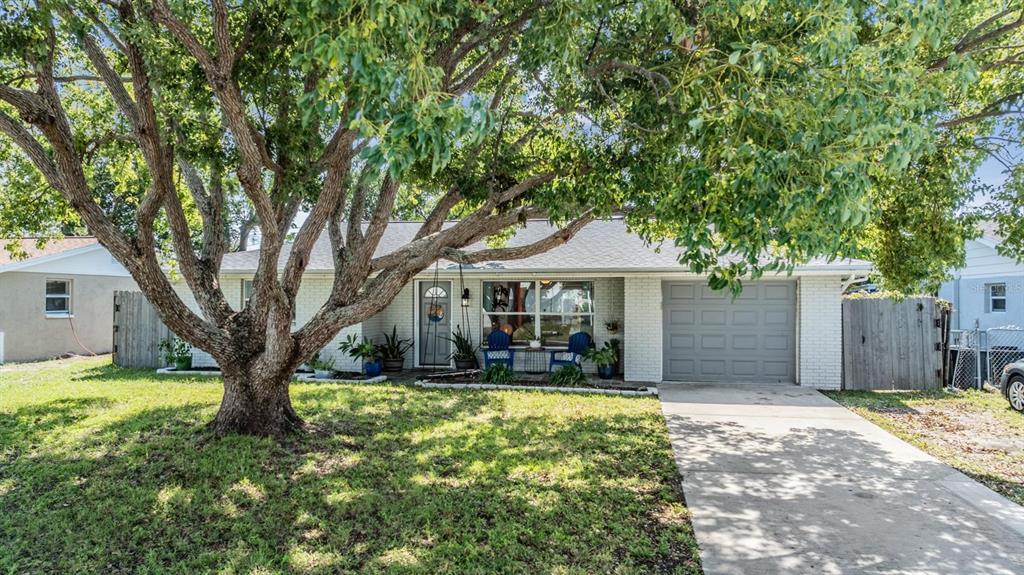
[[781, 479]]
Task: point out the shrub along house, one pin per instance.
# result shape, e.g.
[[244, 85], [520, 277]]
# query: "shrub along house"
[[607, 282]]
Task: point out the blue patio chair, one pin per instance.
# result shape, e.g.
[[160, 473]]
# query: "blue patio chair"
[[498, 349], [579, 342]]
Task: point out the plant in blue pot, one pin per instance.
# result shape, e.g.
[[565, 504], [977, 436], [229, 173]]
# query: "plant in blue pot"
[[604, 358], [365, 351]]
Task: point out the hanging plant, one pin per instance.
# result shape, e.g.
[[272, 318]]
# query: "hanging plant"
[[435, 312]]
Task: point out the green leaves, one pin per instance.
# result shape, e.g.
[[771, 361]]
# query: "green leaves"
[[754, 134]]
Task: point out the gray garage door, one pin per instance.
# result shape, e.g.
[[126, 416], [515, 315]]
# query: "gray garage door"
[[711, 337]]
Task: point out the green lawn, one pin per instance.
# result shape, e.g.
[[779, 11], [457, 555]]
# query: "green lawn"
[[104, 470], [974, 431]]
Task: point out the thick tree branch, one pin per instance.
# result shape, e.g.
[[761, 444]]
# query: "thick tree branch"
[[439, 214], [24, 139], [112, 80], [992, 110], [520, 252], [975, 38], [64, 172]]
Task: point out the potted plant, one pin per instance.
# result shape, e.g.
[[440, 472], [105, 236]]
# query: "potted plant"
[[177, 352], [392, 351], [322, 368], [364, 350], [465, 350], [616, 345], [604, 358]]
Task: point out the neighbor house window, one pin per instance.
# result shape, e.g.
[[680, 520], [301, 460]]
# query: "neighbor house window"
[[548, 310], [246, 292], [58, 298], [996, 297]]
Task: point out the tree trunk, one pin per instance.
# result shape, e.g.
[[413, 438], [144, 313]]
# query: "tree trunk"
[[256, 403]]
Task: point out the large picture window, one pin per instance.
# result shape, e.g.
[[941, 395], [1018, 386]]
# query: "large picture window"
[[548, 310]]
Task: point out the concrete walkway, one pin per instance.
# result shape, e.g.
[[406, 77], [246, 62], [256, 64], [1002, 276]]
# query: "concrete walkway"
[[784, 480]]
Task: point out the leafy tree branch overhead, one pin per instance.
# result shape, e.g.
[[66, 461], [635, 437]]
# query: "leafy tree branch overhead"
[[751, 133]]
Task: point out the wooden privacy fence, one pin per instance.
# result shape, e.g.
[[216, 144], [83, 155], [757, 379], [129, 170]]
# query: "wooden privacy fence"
[[889, 344], [137, 331]]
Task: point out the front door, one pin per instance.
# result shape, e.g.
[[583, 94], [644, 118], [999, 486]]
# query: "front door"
[[435, 322]]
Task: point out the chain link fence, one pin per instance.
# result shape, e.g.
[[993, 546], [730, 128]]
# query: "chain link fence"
[[964, 358], [978, 356]]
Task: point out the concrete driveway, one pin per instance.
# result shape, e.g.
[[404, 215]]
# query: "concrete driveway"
[[784, 480]]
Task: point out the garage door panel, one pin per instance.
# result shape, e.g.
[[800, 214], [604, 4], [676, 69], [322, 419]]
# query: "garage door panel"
[[681, 341], [749, 293], [778, 292], [776, 368], [712, 317], [709, 336], [744, 368], [744, 342], [777, 318], [712, 342], [776, 342], [682, 291], [683, 367], [744, 317], [712, 367], [682, 317]]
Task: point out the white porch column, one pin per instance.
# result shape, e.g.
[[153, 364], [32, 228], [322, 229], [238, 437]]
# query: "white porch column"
[[643, 338]]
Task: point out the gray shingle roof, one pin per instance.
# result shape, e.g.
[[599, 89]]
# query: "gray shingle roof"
[[28, 248], [602, 245]]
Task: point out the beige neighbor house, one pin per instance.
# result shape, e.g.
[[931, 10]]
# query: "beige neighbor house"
[[607, 282], [59, 299]]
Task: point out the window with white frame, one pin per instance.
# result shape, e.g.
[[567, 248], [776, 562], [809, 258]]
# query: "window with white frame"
[[58, 298], [246, 292], [546, 310], [996, 297]]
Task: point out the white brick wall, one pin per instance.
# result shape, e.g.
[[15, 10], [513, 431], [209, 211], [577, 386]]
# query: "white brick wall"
[[400, 315], [312, 294], [643, 339], [820, 332], [635, 301]]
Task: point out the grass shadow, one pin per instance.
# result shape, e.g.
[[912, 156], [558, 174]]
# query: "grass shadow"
[[396, 480]]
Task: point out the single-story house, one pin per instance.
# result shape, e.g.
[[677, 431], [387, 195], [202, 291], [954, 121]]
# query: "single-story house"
[[58, 298], [609, 283], [988, 291]]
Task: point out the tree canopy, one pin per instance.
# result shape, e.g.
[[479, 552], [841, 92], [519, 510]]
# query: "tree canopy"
[[754, 134]]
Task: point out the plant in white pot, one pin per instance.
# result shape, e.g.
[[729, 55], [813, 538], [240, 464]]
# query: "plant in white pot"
[[322, 368], [177, 352]]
